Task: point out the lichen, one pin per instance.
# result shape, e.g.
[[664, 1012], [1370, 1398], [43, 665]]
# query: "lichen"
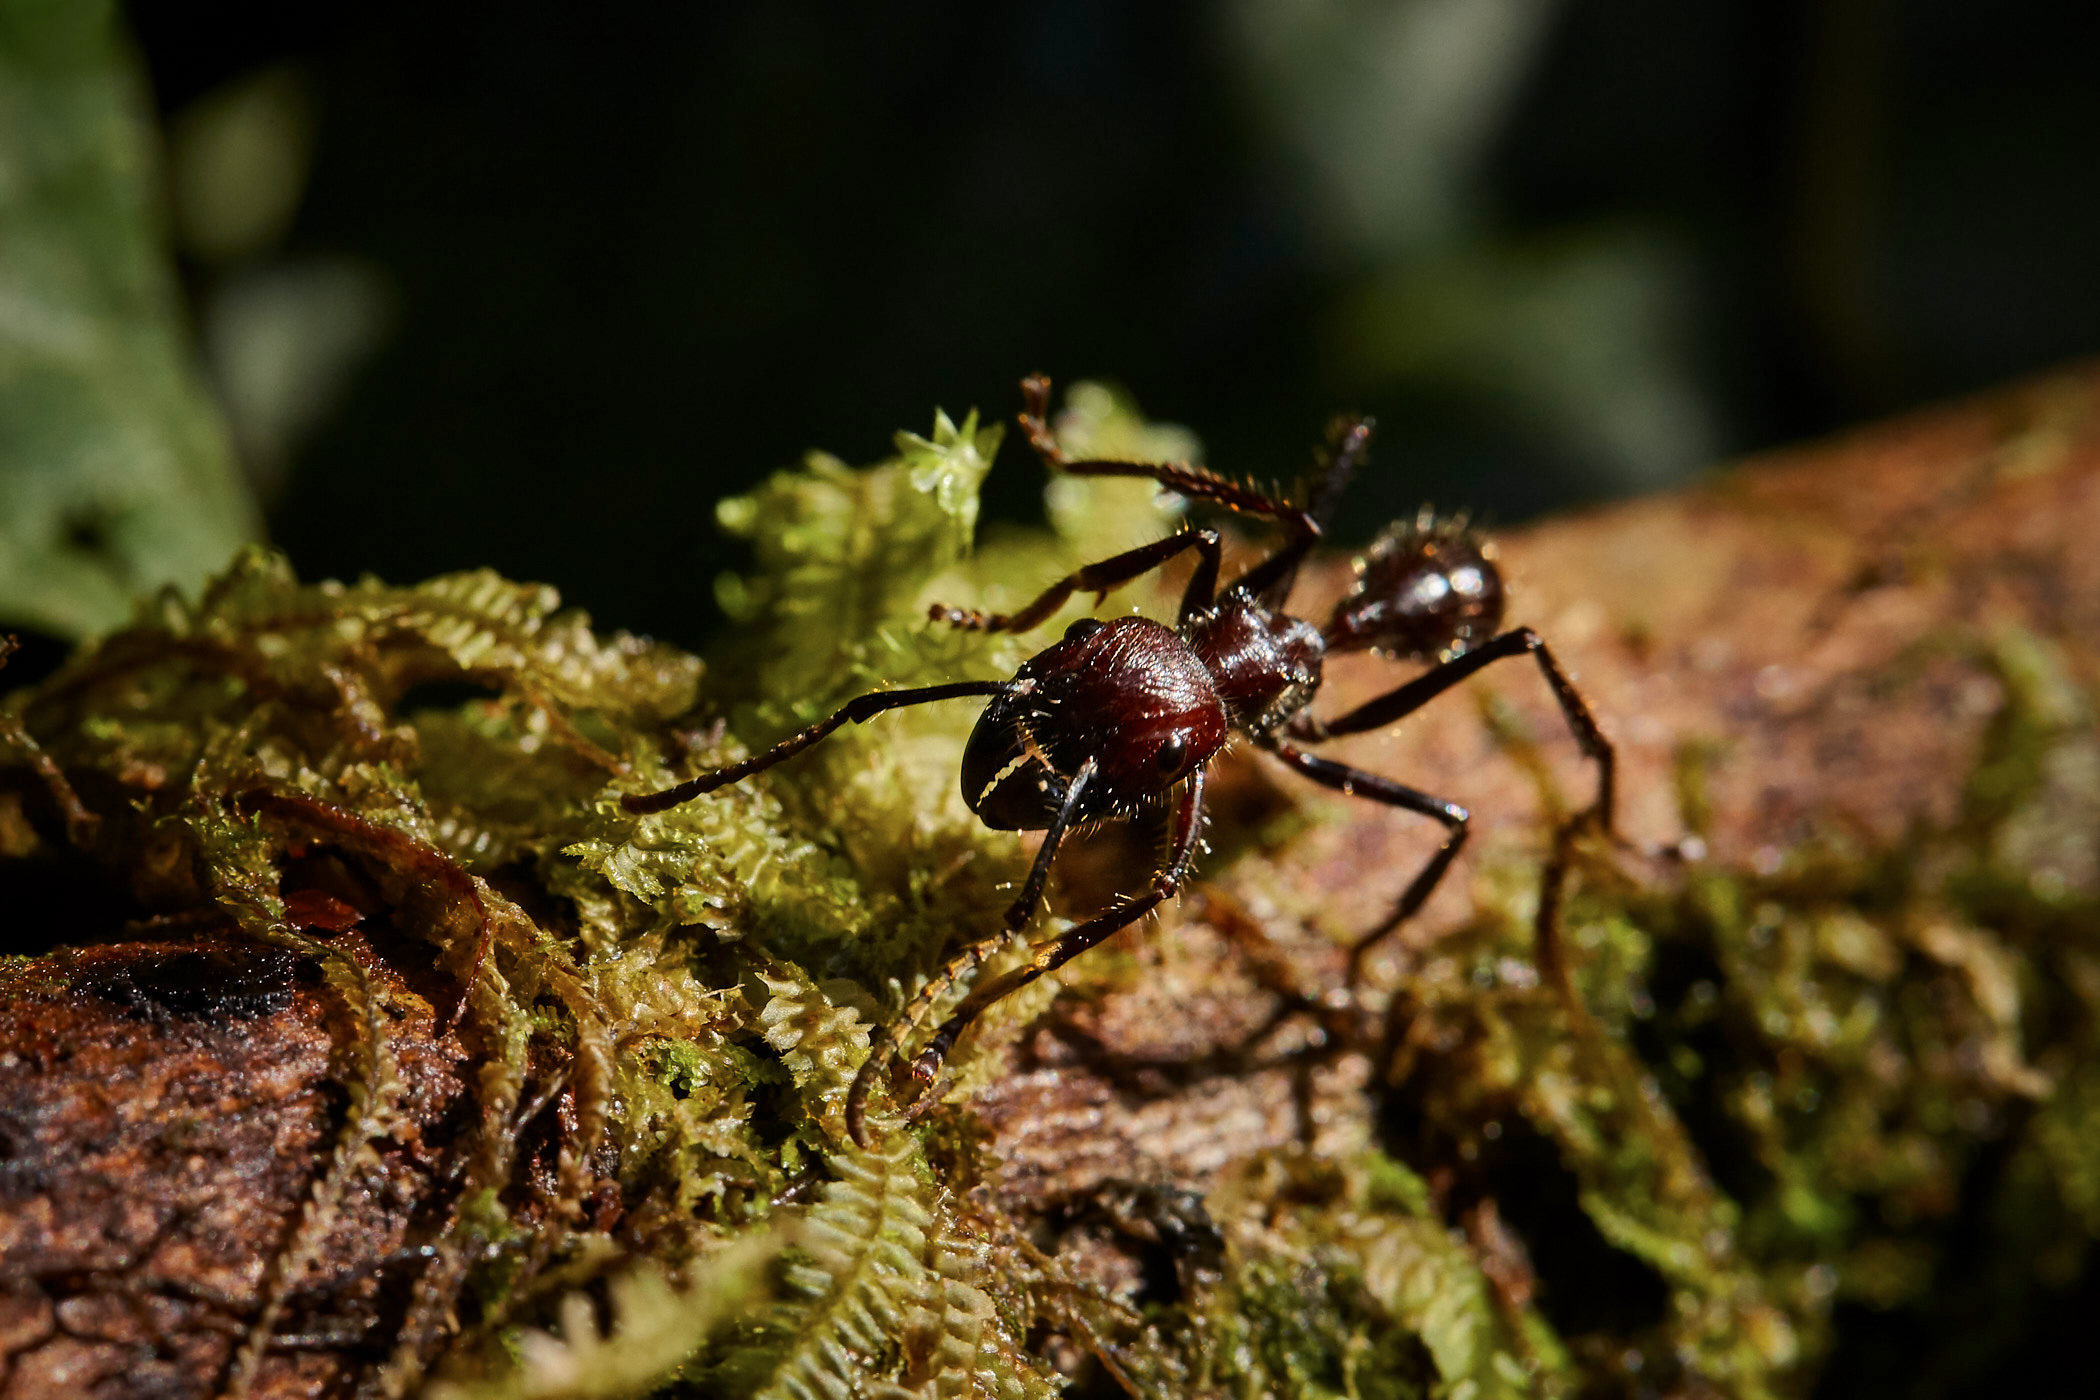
[[1769, 1097]]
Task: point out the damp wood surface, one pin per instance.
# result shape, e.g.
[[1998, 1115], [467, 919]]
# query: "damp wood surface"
[[356, 1043]]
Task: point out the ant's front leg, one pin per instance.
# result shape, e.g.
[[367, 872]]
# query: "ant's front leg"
[[1099, 579], [1355, 782], [926, 1065], [882, 1053], [857, 711], [1405, 700]]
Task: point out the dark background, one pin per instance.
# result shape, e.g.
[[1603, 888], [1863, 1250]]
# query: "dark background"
[[632, 261]]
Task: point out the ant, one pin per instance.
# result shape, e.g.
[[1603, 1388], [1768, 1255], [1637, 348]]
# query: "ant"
[[1118, 715]]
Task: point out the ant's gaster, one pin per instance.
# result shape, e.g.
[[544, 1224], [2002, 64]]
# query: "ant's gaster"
[[1117, 715]]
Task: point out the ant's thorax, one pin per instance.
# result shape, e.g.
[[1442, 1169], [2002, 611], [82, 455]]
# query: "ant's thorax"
[[1265, 664]]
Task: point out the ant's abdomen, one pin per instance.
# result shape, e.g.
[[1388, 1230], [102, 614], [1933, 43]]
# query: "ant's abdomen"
[[1425, 589]]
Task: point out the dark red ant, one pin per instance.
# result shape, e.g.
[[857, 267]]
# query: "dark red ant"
[[1112, 718]]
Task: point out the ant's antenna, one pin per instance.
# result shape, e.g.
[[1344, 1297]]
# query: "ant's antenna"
[[1348, 445], [1348, 442]]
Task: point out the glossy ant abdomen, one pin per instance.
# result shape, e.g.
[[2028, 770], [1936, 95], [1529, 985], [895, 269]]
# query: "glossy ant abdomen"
[[1115, 716]]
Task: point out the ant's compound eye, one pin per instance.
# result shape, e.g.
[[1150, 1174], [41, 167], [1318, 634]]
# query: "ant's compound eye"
[[1171, 753], [1084, 627]]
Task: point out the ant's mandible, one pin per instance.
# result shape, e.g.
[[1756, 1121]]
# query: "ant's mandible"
[[1117, 715]]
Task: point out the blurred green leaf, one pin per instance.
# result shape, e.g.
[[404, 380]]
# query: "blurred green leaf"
[[115, 474]]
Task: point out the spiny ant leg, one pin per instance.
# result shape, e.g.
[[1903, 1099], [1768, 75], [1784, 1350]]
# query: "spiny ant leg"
[[1270, 581], [1188, 823], [1355, 782], [1406, 699], [1181, 478], [857, 711], [882, 1054], [1099, 579], [1348, 442], [1166, 883]]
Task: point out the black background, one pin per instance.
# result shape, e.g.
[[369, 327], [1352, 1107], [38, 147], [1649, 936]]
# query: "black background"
[[643, 256]]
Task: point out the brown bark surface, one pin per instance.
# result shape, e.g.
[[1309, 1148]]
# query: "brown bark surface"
[[167, 1108]]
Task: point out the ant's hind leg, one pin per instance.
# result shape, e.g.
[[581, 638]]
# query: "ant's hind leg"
[[1355, 782], [1181, 478], [1549, 943], [926, 1065]]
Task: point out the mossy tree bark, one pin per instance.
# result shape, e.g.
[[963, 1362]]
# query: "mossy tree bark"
[[374, 1043]]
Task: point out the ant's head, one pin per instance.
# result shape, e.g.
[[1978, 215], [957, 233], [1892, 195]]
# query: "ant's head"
[[1428, 588], [1127, 694]]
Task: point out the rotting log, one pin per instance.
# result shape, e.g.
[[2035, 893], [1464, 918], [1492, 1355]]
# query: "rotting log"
[[343, 1070]]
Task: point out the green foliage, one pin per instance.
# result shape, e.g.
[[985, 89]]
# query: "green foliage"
[[878, 1280], [1357, 1290], [655, 1328], [115, 475]]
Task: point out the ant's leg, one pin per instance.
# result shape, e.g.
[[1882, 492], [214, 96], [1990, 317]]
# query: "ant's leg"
[[1099, 579], [1348, 439], [1181, 478], [1355, 782], [1166, 883], [1551, 949], [1376, 714], [859, 711], [882, 1054]]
